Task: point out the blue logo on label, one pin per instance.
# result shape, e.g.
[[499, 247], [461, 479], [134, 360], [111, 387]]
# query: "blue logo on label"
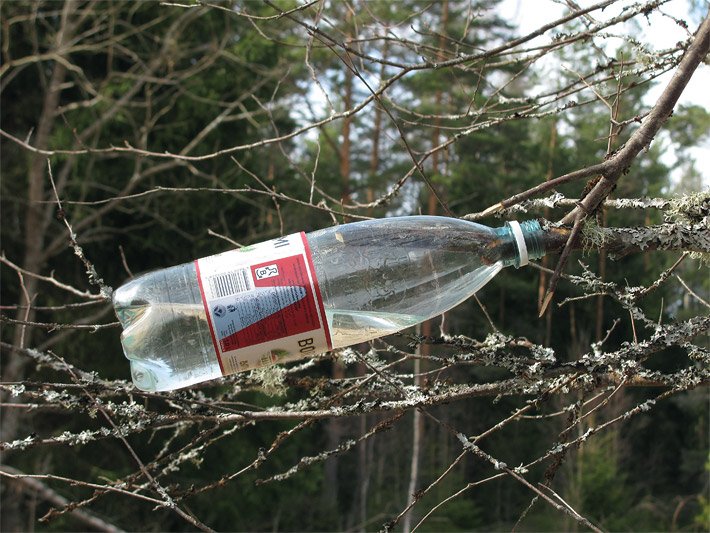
[[219, 310]]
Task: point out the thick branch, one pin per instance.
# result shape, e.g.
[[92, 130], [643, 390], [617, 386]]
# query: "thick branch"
[[623, 241]]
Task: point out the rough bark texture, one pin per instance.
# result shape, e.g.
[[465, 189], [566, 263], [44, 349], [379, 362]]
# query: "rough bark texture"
[[624, 241]]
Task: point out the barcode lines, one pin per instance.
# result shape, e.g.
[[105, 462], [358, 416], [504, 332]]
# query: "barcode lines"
[[230, 283]]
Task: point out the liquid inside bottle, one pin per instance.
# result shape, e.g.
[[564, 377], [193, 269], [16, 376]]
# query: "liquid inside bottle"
[[374, 278]]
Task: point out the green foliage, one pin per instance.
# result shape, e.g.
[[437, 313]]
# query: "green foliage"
[[458, 515], [690, 125], [604, 489]]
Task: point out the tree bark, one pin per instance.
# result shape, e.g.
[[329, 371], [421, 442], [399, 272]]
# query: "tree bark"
[[623, 241]]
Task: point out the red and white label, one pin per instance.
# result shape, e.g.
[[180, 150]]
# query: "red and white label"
[[263, 304]]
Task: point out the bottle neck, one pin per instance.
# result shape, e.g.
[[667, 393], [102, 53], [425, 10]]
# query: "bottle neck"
[[521, 242]]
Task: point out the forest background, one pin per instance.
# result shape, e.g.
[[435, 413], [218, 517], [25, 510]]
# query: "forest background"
[[139, 135]]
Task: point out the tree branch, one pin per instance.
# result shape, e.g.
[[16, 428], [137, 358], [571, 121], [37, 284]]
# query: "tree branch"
[[30, 484], [620, 242]]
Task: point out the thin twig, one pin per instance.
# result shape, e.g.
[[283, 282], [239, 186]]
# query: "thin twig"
[[94, 278], [691, 292]]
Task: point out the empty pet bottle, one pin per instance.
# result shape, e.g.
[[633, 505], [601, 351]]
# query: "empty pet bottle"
[[305, 294]]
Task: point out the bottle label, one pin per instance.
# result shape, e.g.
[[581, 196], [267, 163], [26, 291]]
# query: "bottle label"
[[263, 304]]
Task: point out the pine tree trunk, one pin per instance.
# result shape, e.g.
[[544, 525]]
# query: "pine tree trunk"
[[417, 436], [426, 328], [335, 425], [376, 133]]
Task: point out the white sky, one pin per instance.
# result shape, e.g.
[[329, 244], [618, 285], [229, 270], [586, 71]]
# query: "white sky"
[[658, 32]]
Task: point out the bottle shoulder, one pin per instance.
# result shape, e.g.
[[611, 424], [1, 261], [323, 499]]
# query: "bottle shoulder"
[[412, 222], [413, 232]]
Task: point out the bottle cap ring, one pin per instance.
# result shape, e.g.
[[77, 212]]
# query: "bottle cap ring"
[[520, 242]]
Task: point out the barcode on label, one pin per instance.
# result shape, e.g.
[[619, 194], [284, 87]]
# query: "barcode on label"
[[230, 283]]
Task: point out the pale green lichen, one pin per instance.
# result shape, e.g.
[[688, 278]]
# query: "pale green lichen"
[[270, 380], [691, 208], [593, 236], [703, 258], [690, 212]]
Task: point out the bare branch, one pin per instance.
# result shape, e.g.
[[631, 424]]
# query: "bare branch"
[[32, 483]]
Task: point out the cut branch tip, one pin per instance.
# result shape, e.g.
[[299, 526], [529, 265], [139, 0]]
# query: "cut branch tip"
[[492, 210], [545, 303]]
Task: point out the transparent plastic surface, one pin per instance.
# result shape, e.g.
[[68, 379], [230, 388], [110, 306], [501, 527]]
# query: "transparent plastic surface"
[[165, 332], [376, 277], [382, 276]]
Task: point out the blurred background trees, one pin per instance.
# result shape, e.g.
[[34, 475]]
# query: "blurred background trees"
[[174, 131]]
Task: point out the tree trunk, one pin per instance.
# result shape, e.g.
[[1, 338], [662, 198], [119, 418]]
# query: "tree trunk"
[[417, 437], [13, 367], [376, 133], [335, 425]]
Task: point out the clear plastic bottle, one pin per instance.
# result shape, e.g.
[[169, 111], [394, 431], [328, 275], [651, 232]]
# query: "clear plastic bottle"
[[369, 278]]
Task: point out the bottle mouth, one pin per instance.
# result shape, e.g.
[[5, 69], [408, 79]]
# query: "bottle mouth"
[[528, 240], [522, 259]]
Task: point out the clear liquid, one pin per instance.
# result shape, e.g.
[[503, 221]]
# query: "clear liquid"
[[165, 328], [354, 327], [375, 278], [169, 345]]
